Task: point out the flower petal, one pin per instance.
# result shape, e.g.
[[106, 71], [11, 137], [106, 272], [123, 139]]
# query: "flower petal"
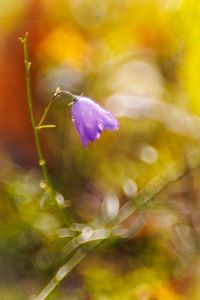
[[91, 119]]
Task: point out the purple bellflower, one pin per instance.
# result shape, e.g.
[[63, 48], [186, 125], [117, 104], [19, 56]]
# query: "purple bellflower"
[[91, 119]]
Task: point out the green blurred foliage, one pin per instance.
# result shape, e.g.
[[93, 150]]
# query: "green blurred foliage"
[[140, 59]]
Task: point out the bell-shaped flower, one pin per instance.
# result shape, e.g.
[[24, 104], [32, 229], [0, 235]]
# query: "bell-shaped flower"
[[91, 119]]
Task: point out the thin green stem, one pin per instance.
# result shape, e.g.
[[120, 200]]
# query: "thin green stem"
[[57, 93], [45, 112], [61, 92], [46, 126], [62, 272], [65, 270], [41, 160]]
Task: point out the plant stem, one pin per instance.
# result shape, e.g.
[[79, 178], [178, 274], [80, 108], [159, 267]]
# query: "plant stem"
[[65, 270], [45, 112], [41, 160], [57, 93], [47, 126]]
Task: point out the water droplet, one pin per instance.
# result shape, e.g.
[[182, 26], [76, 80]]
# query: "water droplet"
[[130, 187], [60, 199], [85, 234], [110, 206], [148, 154]]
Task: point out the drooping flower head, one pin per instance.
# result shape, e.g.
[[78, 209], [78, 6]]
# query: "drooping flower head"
[[91, 119]]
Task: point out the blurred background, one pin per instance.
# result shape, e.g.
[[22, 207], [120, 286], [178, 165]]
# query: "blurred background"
[[141, 60]]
